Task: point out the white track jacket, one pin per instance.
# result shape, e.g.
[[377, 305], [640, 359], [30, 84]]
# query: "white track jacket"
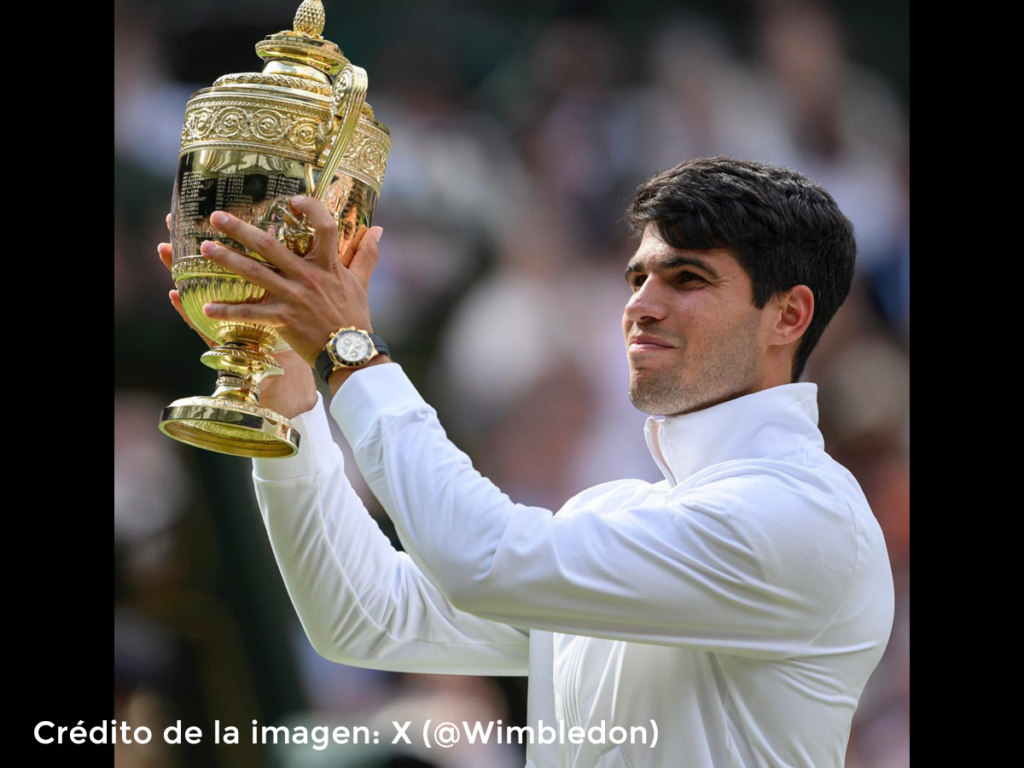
[[740, 604]]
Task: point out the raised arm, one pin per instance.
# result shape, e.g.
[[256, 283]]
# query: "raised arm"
[[745, 565], [359, 600]]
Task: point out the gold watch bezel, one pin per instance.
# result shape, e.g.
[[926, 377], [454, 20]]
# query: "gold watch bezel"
[[340, 363]]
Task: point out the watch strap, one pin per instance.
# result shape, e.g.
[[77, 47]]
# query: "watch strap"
[[380, 345]]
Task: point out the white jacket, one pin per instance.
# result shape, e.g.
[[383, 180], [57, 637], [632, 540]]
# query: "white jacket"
[[740, 604]]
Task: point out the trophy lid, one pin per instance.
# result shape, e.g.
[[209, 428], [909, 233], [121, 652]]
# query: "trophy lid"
[[305, 43]]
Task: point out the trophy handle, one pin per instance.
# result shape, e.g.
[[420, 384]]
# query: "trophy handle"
[[347, 97]]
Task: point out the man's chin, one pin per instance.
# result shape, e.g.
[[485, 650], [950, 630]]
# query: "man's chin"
[[647, 396]]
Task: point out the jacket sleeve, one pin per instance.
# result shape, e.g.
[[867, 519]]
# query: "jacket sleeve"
[[752, 564], [360, 601]]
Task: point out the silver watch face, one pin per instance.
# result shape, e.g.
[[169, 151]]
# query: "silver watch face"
[[351, 346]]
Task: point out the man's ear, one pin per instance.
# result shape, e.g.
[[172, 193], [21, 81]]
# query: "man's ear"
[[795, 310]]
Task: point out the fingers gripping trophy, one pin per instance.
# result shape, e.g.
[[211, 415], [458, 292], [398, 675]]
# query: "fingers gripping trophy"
[[249, 143]]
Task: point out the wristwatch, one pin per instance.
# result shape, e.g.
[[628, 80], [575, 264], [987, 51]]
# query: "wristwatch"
[[348, 348]]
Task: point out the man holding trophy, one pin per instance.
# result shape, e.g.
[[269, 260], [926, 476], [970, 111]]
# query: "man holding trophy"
[[740, 604]]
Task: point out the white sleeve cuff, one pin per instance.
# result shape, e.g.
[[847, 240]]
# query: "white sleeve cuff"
[[368, 393], [317, 451]]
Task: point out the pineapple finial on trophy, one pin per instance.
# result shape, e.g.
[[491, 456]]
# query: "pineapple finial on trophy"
[[309, 19]]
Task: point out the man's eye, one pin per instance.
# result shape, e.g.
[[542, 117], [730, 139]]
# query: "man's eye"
[[689, 277], [635, 284]]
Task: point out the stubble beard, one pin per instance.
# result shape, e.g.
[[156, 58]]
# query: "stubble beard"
[[733, 371]]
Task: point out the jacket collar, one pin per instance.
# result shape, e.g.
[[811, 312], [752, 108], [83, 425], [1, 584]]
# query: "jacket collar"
[[747, 427]]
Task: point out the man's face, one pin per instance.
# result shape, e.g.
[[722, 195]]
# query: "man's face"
[[693, 336]]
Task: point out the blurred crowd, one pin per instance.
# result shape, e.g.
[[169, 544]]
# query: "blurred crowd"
[[520, 132]]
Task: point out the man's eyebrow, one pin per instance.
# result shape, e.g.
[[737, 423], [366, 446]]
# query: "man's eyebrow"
[[673, 263]]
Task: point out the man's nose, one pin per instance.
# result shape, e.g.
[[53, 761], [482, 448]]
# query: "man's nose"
[[647, 304]]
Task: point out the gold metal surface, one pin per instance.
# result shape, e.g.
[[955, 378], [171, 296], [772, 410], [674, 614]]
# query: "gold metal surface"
[[347, 97], [250, 142], [235, 428]]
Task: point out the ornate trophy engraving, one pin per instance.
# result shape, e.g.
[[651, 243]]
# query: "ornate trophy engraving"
[[248, 144]]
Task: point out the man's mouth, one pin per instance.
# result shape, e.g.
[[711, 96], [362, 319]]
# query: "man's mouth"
[[647, 343]]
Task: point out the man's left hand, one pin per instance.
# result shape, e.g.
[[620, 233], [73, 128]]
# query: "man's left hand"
[[311, 296]]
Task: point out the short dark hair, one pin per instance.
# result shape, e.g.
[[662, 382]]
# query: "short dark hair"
[[784, 229]]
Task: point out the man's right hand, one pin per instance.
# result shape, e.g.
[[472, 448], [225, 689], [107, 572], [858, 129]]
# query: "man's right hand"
[[290, 394]]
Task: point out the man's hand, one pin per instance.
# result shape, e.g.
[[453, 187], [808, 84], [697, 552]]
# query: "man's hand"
[[290, 394], [311, 296]]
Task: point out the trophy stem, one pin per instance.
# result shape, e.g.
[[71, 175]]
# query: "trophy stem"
[[237, 388], [241, 366], [232, 421]]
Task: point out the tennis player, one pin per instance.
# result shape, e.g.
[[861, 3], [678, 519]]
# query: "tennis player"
[[740, 603]]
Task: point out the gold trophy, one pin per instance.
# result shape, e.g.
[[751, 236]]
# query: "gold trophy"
[[248, 144]]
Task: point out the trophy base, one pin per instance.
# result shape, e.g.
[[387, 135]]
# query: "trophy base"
[[232, 426]]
